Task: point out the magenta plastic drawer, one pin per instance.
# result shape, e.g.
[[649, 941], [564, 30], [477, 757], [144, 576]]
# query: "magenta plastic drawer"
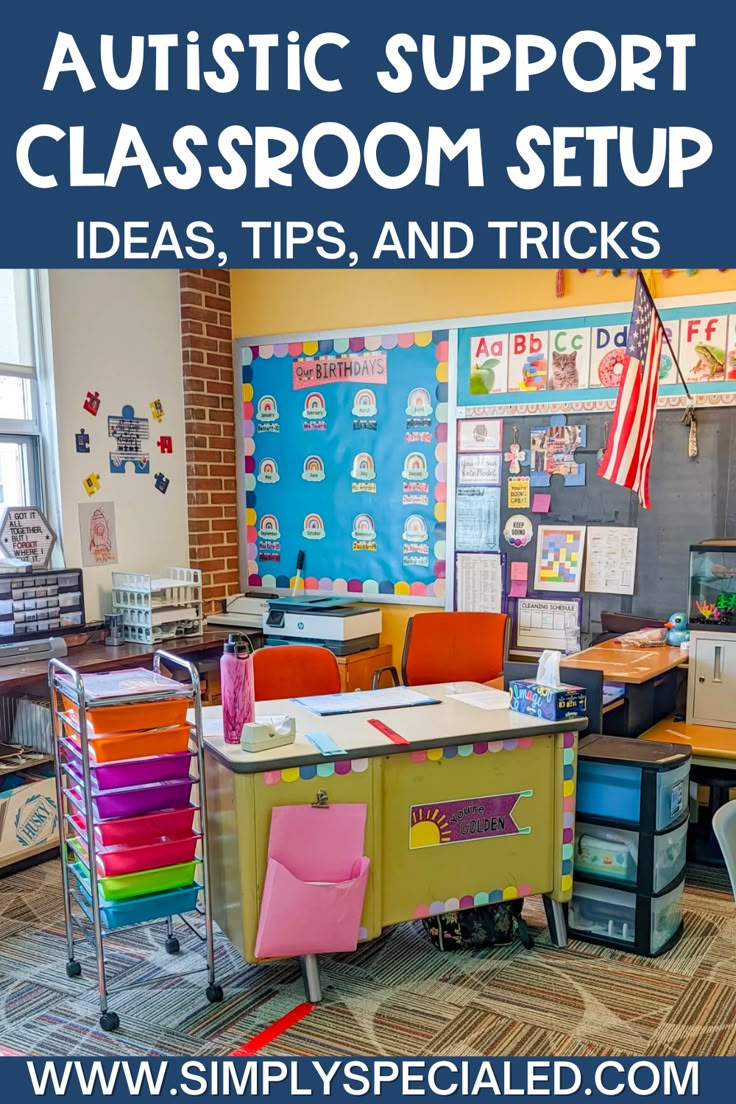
[[145, 799], [131, 772]]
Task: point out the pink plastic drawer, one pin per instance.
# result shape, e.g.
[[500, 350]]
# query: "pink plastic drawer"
[[132, 772], [116, 860], [138, 830]]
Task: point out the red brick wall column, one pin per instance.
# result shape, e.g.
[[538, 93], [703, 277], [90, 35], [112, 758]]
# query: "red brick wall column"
[[209, 420]]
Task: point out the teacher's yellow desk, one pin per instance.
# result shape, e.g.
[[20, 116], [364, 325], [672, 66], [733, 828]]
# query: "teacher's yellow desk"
[[649, 677], [437, 836]]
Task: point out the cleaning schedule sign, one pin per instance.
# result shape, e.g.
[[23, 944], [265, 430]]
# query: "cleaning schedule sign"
[[345, 460]]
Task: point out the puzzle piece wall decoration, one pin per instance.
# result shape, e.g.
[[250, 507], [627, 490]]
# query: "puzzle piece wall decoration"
[[157, 409], [553, 452], [161, 482], [165, 444], [92, 403], [129, 433], [91, 483], [82, 441]]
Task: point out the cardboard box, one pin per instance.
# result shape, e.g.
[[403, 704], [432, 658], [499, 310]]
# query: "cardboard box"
[[28, 814], [561, 703]]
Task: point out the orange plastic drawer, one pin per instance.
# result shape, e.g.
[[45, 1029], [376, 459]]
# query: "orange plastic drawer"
[[115, 719], [106, 748]]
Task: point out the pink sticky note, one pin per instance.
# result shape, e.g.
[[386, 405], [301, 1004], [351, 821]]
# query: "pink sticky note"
[[519, 570], [518, 588], [540, 503]]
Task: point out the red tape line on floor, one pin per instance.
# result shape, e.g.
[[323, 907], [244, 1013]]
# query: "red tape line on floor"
[[258, 1042]]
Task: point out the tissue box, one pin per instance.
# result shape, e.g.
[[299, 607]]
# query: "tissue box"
[[551, 703]]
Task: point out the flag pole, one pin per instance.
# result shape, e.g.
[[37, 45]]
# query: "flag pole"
[[691, 400]]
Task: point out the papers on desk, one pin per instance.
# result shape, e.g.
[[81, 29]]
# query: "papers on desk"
[[612, 691], [485, 699], [364, 701]]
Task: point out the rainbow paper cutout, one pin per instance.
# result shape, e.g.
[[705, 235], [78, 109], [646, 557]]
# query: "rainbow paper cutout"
[[364, 528], [314, 527], [269, 528], [364, 404], [363, 470], [415, 468], [314, 469], [315, 409], [268, 471], [267, 409]]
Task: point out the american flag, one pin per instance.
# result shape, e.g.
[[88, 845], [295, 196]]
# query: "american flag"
[[629, 449]]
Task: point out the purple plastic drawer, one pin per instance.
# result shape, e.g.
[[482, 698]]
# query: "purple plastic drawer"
[[132, 772], [144, 799]]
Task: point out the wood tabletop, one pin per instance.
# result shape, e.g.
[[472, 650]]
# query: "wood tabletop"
[[627, 665], [705, 741], [101, 657]]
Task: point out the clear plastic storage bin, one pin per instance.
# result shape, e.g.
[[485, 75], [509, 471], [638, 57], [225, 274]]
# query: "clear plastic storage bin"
[[621, 855], [632, 782], [624, 918]]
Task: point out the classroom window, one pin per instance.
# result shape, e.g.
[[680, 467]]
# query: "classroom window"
[[20, 437]]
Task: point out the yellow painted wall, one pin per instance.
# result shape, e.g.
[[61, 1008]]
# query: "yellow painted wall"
[[273, 302]]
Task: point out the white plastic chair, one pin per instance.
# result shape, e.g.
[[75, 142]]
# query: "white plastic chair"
[[724, 828]]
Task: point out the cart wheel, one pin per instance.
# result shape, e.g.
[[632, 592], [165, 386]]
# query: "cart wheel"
[[109, 1021], [214, 993], [73, 968], [172, 945]]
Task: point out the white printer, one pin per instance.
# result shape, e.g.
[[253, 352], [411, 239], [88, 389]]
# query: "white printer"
[[342, 626]]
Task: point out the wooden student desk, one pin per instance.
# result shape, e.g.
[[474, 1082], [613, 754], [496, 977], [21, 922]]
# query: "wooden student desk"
[[456, 753], [649, 677]]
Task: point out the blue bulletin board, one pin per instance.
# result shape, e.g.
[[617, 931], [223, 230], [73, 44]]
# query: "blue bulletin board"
[[344, 457]]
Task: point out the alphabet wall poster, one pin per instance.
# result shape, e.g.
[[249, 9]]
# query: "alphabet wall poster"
[[608, 355], [703, 349], [569, 359], [97, 533], [489, 364], [528, 361]]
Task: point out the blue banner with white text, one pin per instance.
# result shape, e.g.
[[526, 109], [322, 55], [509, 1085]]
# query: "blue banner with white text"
[[333, 135]]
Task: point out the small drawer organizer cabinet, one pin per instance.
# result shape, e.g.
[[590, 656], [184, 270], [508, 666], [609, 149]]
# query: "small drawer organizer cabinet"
[[630, 844], [128, 765]]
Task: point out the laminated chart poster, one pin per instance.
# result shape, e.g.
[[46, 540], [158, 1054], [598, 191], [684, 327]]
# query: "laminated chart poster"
[[345, 458], [610, 563], [479, 583]]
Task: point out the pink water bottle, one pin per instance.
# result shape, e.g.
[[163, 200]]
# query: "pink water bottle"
[[236, 686]]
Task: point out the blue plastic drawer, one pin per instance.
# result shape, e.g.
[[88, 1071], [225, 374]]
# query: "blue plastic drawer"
[[136, 910], [608, 790]]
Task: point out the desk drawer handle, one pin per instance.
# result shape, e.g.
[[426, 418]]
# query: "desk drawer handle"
[[717, 663]]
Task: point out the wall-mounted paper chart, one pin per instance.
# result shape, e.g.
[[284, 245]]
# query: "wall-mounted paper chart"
[[480, 583], [610, 565]]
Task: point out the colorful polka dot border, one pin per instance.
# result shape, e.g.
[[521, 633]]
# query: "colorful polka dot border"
[[465, 750], [339, 345], [472, 900], [568, 810], [314, 770]]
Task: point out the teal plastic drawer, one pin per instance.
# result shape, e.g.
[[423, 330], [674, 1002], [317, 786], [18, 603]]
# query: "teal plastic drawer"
[[135, 910]]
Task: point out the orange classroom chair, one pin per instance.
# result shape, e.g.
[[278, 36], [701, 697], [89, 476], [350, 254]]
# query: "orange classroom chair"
[[451, 647], [294, 671]]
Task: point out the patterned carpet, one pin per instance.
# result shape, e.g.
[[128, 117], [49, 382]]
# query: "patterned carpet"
[[395, 996]]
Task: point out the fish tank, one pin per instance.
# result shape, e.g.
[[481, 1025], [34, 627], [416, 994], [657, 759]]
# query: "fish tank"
[[712, 586]]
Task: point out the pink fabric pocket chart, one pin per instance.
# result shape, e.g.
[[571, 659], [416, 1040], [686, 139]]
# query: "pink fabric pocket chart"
[[316, 880]]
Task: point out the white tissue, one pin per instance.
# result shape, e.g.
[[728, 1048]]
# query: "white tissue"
[[548, 671]]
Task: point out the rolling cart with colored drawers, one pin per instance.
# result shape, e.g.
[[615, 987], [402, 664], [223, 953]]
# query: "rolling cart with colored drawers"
[[133, 841], [630, 844]]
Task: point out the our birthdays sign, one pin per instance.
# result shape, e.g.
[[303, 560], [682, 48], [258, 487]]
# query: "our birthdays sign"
[[25, 534]]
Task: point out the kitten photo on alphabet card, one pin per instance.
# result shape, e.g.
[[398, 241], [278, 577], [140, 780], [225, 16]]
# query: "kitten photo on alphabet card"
[[569, 360]]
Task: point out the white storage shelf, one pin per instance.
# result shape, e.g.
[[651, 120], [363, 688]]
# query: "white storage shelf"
[[159, 607]]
